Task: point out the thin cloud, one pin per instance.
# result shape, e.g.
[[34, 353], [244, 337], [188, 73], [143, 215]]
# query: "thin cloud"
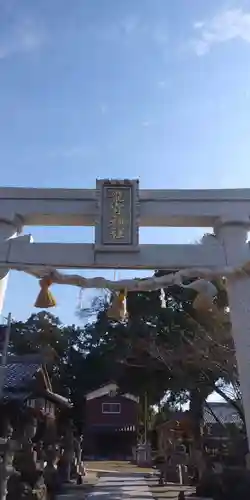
[[104, 108], [129, 29], [162, 84], [228, 25], [73, 152], [159, 35], [22, 37], [129, 25]]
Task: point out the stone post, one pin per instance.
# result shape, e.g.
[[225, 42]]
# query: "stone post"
[[7, 450], [8, 447], [67, 454], [233, 236]]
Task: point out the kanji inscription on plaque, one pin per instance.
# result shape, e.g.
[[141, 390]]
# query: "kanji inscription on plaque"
[[117, 224]]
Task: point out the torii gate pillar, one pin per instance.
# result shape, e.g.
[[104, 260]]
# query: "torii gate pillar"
[[232, 233], [8, 229]]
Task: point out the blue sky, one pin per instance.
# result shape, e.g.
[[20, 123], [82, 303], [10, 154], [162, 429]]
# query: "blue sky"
[[155, 89]]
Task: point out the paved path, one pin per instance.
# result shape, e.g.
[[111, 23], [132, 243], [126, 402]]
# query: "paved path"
[[125, 487], [121, 487]]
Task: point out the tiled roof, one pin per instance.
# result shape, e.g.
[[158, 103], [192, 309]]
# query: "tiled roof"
[[20, 371], [18, 375], [224, 412]]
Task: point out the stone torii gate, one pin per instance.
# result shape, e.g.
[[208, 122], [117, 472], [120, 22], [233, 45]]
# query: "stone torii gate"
[[117, 209]]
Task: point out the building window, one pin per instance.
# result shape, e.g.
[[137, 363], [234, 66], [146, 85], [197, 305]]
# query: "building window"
[[111, 408]]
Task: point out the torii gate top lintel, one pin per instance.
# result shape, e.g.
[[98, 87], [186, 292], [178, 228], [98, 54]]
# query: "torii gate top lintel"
[[159, 208]]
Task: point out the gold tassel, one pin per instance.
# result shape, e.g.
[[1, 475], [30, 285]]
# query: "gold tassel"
[[118, 307], [45, 298], [203, 302]]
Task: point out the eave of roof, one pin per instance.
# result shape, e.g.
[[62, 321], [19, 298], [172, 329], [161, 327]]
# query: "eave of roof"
[[18, 396], [107, 389]]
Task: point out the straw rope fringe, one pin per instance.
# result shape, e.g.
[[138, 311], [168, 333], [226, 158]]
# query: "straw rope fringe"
[[202, 284]]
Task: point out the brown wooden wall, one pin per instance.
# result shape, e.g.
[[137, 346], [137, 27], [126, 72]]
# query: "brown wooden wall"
[[127, 417]]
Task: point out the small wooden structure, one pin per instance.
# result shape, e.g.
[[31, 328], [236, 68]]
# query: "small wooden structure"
[[178, 427], [218, 419], [111, 423], [27, 386]]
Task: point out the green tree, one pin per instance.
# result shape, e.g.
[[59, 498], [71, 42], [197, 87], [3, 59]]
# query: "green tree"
[[174, 349]]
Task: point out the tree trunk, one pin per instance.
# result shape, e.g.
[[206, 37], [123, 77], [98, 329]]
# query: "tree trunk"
[[197, 399]]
